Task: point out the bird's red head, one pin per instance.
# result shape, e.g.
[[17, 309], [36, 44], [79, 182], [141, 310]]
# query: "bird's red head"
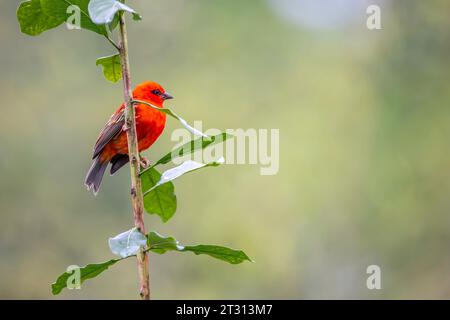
[[152, 92]]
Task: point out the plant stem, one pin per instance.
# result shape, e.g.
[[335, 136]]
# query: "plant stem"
[[112, 42], [133, 152]]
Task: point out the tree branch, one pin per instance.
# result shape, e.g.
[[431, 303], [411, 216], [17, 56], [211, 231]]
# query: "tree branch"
[[136, 189]]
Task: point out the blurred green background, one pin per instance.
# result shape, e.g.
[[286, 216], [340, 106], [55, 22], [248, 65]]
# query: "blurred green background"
[[364, 178]]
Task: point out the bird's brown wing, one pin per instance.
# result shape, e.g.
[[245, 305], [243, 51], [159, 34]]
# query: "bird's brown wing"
[[111, 130]]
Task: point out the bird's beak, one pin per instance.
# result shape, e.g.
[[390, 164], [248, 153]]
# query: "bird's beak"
[[166, 96]]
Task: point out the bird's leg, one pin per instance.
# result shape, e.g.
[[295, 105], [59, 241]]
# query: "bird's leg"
[[144, 162]]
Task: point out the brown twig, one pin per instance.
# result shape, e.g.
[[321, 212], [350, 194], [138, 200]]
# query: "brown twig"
[[136, 189]]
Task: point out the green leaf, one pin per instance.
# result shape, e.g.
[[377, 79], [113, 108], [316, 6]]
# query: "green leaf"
[[58, 10], [192, 146], [161, 201], [33, 21], [88, 272], [223, 253], [169, 112], [112, 67], [174, 173], [160, 244], [137, 17], [103, 11]]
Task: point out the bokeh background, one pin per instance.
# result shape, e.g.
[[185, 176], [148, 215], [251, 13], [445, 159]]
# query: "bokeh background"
[[364, 178]]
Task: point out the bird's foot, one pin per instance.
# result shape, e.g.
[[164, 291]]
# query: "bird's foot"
[[145, 163]]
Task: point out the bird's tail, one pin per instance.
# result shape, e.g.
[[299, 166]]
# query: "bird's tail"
[[95, 175]]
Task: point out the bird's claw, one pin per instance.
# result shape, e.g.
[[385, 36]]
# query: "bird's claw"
[[144, 162]]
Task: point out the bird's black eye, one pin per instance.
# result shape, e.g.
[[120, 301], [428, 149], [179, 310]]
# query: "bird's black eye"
[[156, 92]]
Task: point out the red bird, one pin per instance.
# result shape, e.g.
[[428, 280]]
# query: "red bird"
[[112, 143]]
